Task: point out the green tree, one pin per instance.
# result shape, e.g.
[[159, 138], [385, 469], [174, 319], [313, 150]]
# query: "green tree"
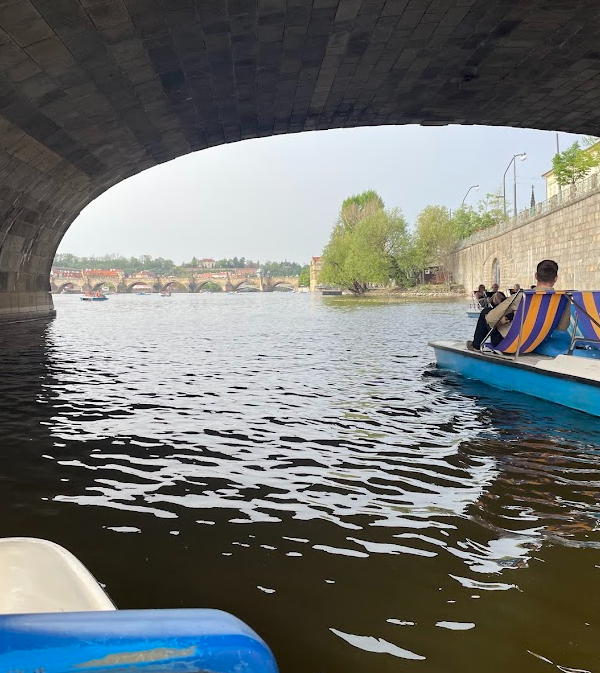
[[574, 164], [304, 277], [589, 141], [466, 221], [129, 265], [436, 236], [368, 245]]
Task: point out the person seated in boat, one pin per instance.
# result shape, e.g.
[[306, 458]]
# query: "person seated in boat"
[[497, 299], [498, 318], [492, 292], [481, 296], [515, 288]]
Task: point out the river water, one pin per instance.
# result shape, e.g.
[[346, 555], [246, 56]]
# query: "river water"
[[298, 461]]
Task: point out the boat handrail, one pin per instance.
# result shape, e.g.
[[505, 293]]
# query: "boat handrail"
[[578, 301]]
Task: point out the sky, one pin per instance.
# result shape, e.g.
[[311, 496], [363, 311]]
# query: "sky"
[[277, 198]]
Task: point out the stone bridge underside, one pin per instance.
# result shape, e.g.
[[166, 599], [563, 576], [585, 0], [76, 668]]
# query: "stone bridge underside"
[[92, 92]]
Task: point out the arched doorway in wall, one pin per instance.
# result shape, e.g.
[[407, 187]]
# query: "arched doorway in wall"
[[496, 271]]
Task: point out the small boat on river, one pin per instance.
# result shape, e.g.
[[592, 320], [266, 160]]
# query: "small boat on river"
[[93, 297], [55, 617], [534, 357]]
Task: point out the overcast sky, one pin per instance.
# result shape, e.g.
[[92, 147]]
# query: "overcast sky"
[[277, 198]]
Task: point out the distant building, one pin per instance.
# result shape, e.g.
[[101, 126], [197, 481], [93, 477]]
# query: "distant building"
[[315, 270], [207, 263], [104, 273], [58, 272], [552, 186]]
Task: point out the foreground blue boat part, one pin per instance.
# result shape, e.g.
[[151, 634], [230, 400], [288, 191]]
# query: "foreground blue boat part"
[[569, 380], [144, 641]]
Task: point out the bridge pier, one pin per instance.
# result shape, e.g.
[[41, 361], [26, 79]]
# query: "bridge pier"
[[18, 306]]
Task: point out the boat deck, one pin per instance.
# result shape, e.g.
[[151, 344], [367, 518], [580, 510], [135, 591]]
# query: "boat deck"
[[572, 366]]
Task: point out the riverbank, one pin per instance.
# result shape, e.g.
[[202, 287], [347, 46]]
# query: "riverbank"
[[419, 292]]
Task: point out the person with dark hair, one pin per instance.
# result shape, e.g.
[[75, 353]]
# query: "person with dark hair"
[[498, 319]]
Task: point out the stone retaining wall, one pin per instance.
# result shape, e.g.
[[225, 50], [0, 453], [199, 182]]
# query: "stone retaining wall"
[[569, 234]]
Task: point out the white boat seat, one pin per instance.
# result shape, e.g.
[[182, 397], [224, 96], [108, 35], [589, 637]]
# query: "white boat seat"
[[40, 576]]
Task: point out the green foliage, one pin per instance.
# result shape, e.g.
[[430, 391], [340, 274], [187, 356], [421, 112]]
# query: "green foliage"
[[369, 245], [574, 163], [436, 235], [589, 141], [490, 211], [158, 265], [166, 267], [285, 268], [360, 206], [304, 277]]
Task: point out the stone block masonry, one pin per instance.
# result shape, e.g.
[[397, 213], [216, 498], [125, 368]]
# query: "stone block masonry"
[[570, 235], [93, 91]]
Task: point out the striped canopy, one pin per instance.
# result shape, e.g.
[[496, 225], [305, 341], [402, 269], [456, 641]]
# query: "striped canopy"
[[540, 312], [588, 319]]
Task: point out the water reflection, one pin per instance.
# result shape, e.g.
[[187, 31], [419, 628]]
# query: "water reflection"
[[300, 463]]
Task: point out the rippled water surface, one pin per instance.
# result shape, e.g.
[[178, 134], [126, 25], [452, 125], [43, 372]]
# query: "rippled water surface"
[[298, 461]]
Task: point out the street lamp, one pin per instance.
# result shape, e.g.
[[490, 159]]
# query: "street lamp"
[[467, 194], [523, 156]]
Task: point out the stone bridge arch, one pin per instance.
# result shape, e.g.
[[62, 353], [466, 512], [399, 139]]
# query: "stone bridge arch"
[[172, 285], [57, 288], [111, 284], [131, 286], [282, 284], [246, 283], [93, 93], [212, 281]]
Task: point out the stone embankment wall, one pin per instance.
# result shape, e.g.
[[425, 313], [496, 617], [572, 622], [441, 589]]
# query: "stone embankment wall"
[[569, 234]]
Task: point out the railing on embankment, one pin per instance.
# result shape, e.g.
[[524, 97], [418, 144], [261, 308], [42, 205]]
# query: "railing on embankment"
[[567, 195]]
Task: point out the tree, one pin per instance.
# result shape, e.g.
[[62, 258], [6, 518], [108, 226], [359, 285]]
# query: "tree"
[[574, 164], [436, 236], [304, 277], [368, 245], [490, 210], [589, 141], [466, 221]]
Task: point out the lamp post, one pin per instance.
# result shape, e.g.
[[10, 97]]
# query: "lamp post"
[[523, 156], [467, 194]]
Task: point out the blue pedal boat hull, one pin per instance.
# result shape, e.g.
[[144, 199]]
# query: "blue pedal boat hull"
[[567, 380]]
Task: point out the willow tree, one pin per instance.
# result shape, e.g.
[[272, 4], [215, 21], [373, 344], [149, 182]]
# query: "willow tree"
[[369, 245]]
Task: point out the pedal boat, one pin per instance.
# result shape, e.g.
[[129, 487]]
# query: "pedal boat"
[[536, 359], [55, 618]]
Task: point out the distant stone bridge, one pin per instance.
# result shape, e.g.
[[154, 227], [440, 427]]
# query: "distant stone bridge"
[[126, 284]]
